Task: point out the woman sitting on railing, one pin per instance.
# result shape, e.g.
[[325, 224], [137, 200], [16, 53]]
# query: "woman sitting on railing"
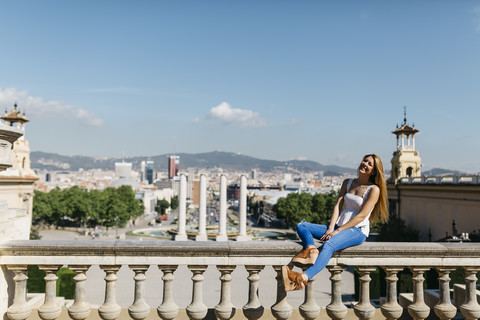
[[365, 198]]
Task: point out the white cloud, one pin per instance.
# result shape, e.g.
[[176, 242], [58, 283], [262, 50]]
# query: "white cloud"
[[239, 117], [294, 121], [341, 157], [476, 18], [196, 120], [37, 106]]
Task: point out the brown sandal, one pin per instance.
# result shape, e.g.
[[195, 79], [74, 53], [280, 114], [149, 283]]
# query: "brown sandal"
[[306, 257], [292, 280]]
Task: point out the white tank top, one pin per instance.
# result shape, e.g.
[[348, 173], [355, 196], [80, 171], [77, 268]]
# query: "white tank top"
[[353, 205]]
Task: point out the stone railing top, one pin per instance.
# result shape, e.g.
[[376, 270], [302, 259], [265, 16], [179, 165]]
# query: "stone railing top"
[[155, 248]]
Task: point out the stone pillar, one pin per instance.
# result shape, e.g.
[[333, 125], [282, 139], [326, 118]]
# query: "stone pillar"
[[336, 309], [19, 310], [242, 214], [50, 310], [418, 309], [197, 310], [110, 309], [364, 309], [253, 310], [168, 310], [309, 309], [8, 135], [391, 310], [80, 309], [444, 309], [470, 308], [202, 210], [222, 223], [182, 210], [139, 310], [225, 310], [281, 310]]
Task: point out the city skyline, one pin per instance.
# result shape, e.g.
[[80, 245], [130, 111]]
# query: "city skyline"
[[321, 81]]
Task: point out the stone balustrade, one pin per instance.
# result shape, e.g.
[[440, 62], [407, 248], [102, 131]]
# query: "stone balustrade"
[[225, 257]]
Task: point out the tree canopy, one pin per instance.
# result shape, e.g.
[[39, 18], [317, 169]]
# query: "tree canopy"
[[298, 207], [76, 207], [162, 206], [396, 230]]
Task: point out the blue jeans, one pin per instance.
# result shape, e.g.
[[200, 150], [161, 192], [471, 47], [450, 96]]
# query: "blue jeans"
[[344, 239]]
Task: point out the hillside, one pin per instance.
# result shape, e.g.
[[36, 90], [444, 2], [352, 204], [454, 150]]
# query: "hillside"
[[208, 160]]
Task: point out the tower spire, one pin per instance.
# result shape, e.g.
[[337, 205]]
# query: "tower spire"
[[406, 161]]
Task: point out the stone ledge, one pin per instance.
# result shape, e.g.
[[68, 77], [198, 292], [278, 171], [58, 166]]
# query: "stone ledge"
[[169, 248]]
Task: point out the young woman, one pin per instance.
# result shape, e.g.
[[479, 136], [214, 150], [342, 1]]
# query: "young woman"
[[362, 199]]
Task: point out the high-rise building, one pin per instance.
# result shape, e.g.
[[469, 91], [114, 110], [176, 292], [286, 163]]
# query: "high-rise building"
[[149, 171], [143, 171], [173, 165], [123, 170]]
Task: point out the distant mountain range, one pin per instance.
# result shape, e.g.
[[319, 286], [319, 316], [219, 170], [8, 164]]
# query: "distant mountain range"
[[208, 160]]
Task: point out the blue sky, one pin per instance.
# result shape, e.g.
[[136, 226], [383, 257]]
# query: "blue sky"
[[319, 80]]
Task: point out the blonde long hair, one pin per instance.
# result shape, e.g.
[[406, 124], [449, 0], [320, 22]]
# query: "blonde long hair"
[[380, 211]]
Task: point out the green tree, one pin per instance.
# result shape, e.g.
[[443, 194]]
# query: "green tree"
[[396, 230], [294, 208], [174, 203], [57, 206], [162, 206], [78, 206], [42, 210], [95, 197], [322, 206], [298, 207]]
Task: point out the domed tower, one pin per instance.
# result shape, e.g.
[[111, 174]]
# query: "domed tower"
[[21, 150], [406, 161]]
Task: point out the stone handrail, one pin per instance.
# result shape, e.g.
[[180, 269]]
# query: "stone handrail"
[[16, 256]]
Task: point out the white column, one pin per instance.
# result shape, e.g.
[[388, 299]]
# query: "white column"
[[242, 214], [182, 210], [222, 223], [202, 210]]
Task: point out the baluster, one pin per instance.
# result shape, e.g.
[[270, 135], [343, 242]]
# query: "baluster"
[[110, 309], [168, 309], [196, 309], [281, 309], [225, 309], [19, 310], [50, 309], [470, 308], [139, 310], [391, 310], [309, 309], [444, 309], [336, 309], [364, 309], [418, 309], [253, 310], [80, 309]]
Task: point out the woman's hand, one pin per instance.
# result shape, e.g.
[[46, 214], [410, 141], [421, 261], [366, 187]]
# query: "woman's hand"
[[328, 234]]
